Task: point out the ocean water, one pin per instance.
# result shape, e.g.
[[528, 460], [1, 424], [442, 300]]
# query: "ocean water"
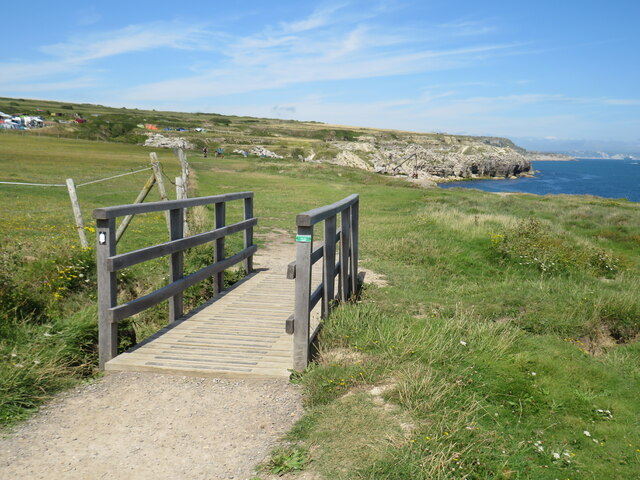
[[603, 178]]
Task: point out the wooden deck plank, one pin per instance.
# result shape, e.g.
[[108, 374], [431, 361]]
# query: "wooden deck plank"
[[239, 333]]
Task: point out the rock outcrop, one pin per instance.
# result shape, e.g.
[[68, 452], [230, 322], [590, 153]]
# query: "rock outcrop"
[[160, 141], [263, 152], [428, 157]]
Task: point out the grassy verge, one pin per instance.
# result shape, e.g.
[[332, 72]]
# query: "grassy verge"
[[504, 346]]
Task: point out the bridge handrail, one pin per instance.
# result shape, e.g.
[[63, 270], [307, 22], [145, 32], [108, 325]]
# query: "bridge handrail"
[[108, 262], [306, 256], [150, 207], [311, 217]]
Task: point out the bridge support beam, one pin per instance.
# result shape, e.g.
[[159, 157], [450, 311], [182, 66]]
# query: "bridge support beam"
[[304, 247], [107, 290]]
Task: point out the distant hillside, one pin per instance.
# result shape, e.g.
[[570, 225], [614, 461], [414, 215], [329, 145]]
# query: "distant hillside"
[[546, 156], [421, 156]]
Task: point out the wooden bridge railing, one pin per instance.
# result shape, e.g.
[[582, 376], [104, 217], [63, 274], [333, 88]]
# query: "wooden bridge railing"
[[306, 256], [108, 262]]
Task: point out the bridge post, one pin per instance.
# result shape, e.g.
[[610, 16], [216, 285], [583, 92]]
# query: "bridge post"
[[329, 265], [107, 289], [248, 234], [304, 247], [176, 267], [354, 247], [220, 210], [345, 244]]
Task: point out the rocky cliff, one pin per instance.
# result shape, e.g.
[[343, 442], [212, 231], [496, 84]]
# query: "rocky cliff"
[[432, 157]]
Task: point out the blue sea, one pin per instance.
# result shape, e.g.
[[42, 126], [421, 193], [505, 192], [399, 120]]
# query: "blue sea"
[[604, 178]]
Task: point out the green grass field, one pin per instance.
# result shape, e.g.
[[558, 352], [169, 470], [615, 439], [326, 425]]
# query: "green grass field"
[[504, 345]]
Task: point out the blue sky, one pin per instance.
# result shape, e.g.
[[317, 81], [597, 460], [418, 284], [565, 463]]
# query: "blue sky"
[[542, 70]]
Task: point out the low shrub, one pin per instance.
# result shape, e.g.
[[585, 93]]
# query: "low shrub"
[[533, 244]]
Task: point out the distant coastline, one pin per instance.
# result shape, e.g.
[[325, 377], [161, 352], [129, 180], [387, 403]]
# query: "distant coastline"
[[548, 157]]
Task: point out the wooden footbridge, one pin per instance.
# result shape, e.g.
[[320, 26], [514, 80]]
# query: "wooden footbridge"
[[264, 325]]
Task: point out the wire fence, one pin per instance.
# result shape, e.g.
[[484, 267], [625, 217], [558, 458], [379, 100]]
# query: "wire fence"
[[23, 214], [30, 184]]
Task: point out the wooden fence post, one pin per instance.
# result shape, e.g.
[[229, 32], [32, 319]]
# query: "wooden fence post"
[[139, 199], [220, 212], [176, 268], [345, 241], [329, 265], [248, 234], [355, 213], [77, 213], [107, 289], [181, 194], [157, 172], [184, 165], [304, 247]]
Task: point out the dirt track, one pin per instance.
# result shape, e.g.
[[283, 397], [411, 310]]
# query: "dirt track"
[[146, 426]]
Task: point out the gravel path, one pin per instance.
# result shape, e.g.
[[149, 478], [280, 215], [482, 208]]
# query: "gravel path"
[[148, 426]]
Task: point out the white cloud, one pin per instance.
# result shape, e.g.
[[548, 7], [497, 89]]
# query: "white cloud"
[[466, 28], [443, 111], [74, 57], [133, 38], [258, 64], [87, 16], [35, 86], [319, 18]]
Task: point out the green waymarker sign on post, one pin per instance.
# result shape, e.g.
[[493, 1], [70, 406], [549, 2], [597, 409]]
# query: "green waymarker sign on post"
[[303, 238]]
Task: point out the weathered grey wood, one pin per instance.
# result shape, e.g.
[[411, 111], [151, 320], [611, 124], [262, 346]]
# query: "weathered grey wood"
[[306, 256], [289, 325], [149, 207], [329, 263], [316, 296], [248, 233], [361, 276], [157, 171], [345, 220], [220, 212], [139, 199], [355, 213], [77, 213], [199, 345], [107, 290], [129, 259], [184, 166], [302, 310], [176, 266], [314, 336], [291, 270], [179, 181], [316, 215], [138, 305], [316, 255], [181, 194]]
